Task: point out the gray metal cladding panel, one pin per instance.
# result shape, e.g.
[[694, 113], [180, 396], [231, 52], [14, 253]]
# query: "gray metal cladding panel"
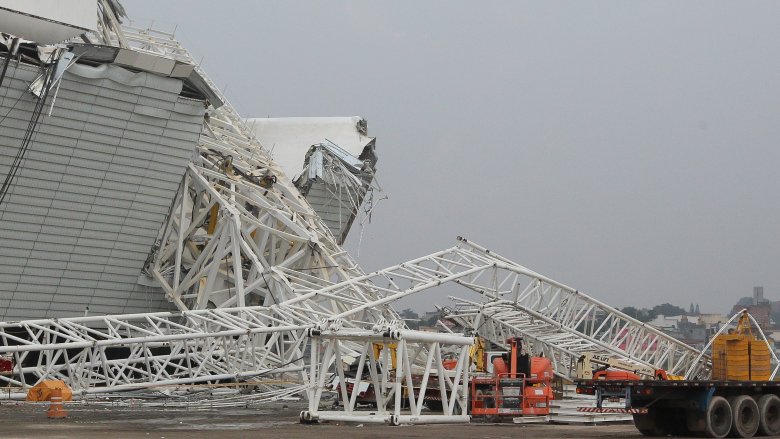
[[103, 227], [7, 287], [10, 270], [109, 301], [83, 274], [57, 239], [49, 263], [39, 180], [92, 250], [129, 246], [80, 283], [15, 248], [93, 192], [65, 309], [59, 231], [111, 269], [100, 234], [74, 295], [332, 207], [9, 278], [23, 227]]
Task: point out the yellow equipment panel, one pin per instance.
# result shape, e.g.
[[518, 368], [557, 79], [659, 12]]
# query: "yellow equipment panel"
[[739, 356]]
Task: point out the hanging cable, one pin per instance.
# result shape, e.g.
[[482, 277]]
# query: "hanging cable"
[[11, 52], [48, 72]]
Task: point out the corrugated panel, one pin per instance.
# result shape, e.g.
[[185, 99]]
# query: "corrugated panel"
[[334, 210], [93, 191]]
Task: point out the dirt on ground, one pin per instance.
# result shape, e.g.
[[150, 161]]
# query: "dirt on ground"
[[20, 420]]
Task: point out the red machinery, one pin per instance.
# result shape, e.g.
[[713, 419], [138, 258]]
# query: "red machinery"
[[519, 385]]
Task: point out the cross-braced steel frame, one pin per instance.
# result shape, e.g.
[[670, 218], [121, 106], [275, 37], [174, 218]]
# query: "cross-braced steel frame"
[[239, 232], [519, 301], [123, 352], [564, 323], [419, 367], [241, 239]]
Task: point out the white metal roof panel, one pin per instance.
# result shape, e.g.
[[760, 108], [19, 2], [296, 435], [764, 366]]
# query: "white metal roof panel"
[[48, 21], [289, 138]]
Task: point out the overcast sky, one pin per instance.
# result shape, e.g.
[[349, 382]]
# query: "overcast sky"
[[627, 149]]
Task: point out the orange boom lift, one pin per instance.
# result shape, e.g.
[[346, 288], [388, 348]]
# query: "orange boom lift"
[[519, 385]]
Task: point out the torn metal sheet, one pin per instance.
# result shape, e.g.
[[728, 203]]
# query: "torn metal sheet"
[[289, 138], [335, 184], [48, 21], [334, 161]]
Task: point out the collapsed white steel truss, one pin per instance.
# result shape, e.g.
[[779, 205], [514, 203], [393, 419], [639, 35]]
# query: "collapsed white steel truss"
[[239, 232], [337, 184], [393, 386], [562, 321], [123, 352], [242, 240], [563, 324]]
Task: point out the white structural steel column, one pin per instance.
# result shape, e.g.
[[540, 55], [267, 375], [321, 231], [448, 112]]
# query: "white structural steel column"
[[415, 353]]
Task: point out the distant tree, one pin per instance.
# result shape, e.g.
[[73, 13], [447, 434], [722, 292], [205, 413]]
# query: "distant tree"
[[775, 315], [631, 311], [641, 314], [667, 309], [432, 320], [411, 318]]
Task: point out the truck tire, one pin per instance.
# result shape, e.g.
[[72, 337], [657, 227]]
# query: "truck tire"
[[746, 416], [718, 418], [769, 409], [648, 424]]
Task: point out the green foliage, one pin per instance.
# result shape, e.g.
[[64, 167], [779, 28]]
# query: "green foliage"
[[645, 314], [431, 321], [667, 309], [411, 318]]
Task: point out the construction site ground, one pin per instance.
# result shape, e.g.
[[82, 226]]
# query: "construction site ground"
[[276, 421]]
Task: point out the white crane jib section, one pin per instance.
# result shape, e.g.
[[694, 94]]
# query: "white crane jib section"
[[561, 322], [565, 323]]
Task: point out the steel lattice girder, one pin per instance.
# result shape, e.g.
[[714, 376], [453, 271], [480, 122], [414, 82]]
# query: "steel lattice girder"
[[498, 324], [566, 323], [228, 240], [259, 229], [570, 321], [231, 240], [525, 294], [417, 353], [121, 352]]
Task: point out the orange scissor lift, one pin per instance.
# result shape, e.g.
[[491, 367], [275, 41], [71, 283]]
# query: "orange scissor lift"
[[518, 386]]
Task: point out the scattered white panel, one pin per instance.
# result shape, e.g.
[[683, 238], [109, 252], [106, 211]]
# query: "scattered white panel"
[[48, 21], [289, 138]]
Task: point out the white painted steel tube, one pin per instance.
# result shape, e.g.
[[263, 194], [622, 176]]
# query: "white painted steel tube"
[[343, 417], [434, 419], [141, 317], [435, 337], [406, 334], [174, 382], [403, 419], [150, 339]]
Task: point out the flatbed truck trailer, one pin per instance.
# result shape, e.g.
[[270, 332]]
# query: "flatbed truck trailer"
[[692, 408]]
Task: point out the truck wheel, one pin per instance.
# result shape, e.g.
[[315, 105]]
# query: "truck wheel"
[[769, 409], [718, 417], [745, 415], [647, 425]]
